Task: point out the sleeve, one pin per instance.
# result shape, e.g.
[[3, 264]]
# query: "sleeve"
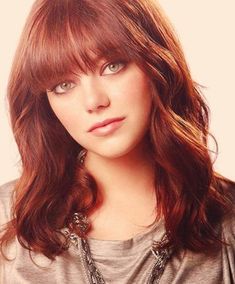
[[228, 253], [6, 192]]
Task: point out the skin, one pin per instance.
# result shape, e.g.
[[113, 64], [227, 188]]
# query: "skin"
[[120, 162]]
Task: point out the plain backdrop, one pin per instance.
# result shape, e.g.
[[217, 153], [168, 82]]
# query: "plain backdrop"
[[206, 31]]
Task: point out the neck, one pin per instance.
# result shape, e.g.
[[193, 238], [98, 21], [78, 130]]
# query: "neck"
[[126, 194], [128, 175]]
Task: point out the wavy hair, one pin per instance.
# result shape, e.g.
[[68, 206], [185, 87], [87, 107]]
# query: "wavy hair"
[[62, 36]]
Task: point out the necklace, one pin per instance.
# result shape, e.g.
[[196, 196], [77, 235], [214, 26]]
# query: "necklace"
[[162, 251]]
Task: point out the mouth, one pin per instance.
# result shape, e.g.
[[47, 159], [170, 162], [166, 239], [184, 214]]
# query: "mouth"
[[106, 127], [105, 122]]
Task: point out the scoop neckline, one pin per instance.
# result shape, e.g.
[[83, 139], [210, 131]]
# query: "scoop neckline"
[[128, 247], [141, 234]]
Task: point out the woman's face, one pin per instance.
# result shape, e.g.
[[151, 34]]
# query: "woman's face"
[[116, 94]]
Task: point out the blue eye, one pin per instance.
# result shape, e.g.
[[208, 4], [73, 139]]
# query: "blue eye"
[[113, 67], [63, 87]]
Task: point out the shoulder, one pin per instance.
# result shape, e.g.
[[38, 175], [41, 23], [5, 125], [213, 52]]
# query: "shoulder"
[[229, 218], [228, 236], [6, 189], [226, 189], [227, 185], [228, 224], [6, 193]]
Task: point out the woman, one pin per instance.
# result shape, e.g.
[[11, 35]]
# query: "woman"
[[117, 183]]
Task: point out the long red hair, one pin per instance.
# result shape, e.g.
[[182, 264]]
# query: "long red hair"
[[60, 37]]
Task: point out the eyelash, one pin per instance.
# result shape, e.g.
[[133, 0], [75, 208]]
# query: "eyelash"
[[53, 90], [121, 62]]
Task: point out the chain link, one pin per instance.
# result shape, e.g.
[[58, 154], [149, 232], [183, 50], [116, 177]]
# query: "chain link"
[[162, 251]]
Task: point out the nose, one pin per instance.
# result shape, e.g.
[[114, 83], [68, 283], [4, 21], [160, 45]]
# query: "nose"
[[94, 94]]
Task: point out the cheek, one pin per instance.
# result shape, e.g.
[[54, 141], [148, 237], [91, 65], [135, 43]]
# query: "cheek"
[[68, 114], [136, 94]]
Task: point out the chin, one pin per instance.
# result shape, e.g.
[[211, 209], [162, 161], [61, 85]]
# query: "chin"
[[114, 151]]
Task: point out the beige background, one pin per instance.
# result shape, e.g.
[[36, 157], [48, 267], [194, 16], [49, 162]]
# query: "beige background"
[[206, 30]]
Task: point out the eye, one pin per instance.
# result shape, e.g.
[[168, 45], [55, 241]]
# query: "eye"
[[63, 87], [113, 67]]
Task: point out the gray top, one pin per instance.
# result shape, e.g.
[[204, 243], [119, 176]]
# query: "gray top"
[[129, 261]]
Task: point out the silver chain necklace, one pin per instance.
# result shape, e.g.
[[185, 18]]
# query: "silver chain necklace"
[[162, 251]]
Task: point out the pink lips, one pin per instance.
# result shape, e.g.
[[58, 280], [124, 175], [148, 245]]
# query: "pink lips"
[[107, 126]]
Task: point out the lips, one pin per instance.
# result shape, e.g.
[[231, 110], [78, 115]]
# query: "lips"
[[104, 123]]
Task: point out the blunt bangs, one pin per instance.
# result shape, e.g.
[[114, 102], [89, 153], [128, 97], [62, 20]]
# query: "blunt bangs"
[[62, 38], [71, 38]]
